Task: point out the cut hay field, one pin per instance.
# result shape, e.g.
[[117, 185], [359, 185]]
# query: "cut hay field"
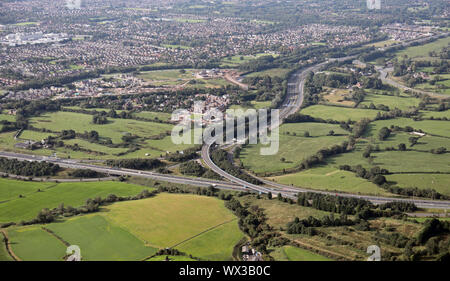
[[290, 253], [292, 148], [339, 113], [73, 194], [330, 178]]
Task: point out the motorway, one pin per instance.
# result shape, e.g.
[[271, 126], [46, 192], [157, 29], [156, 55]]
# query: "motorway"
[[291, 105]]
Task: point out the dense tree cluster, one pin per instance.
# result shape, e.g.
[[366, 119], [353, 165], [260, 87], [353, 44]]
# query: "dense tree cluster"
[[26, 168], [220, 158], [136, 164], [84, 173]]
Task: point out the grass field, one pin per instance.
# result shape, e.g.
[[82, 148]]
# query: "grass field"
[[438, 182], [332, 179], [168, 220], [436, 114], [7, 117], [402, 103], [73, 194], [34, 244], [292, 148], [171, 258], [279, 213], [133, 230], [339, 113], [290, 253], [422, 52], [438, 128], [11, 189], [167, 75], [235, 61], [207, 245], [4, 256], [114, 130], [99, 239], [273, 72]]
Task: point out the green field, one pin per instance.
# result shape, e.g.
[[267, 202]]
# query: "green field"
[[99, 239], [171, 258], [235, 61], [73, 194], [438, 128], [7, 117], [422, 52], [114, 130], [34, 244], [339, 113], [331, 179], [293, 149], [290, 253], [11, 189], [438, 182], [163, 229], [402, 103], [134, 230], [167, 75], [207, 246], [436, 114], [274, 72], [279, 213]]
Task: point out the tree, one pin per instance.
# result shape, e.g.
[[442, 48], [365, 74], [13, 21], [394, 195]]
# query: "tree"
[[269, 195], [384, 133], [306, 134], [402, 147], [413, 141]]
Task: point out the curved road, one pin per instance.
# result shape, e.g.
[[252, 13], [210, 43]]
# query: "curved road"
[[291, 105]]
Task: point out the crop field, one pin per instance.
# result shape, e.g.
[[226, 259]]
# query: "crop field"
[[292, 148], [330, 179], [438, 182], [422, 52], [73, 194], [11, 189], [339, 113], [290, 253]]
